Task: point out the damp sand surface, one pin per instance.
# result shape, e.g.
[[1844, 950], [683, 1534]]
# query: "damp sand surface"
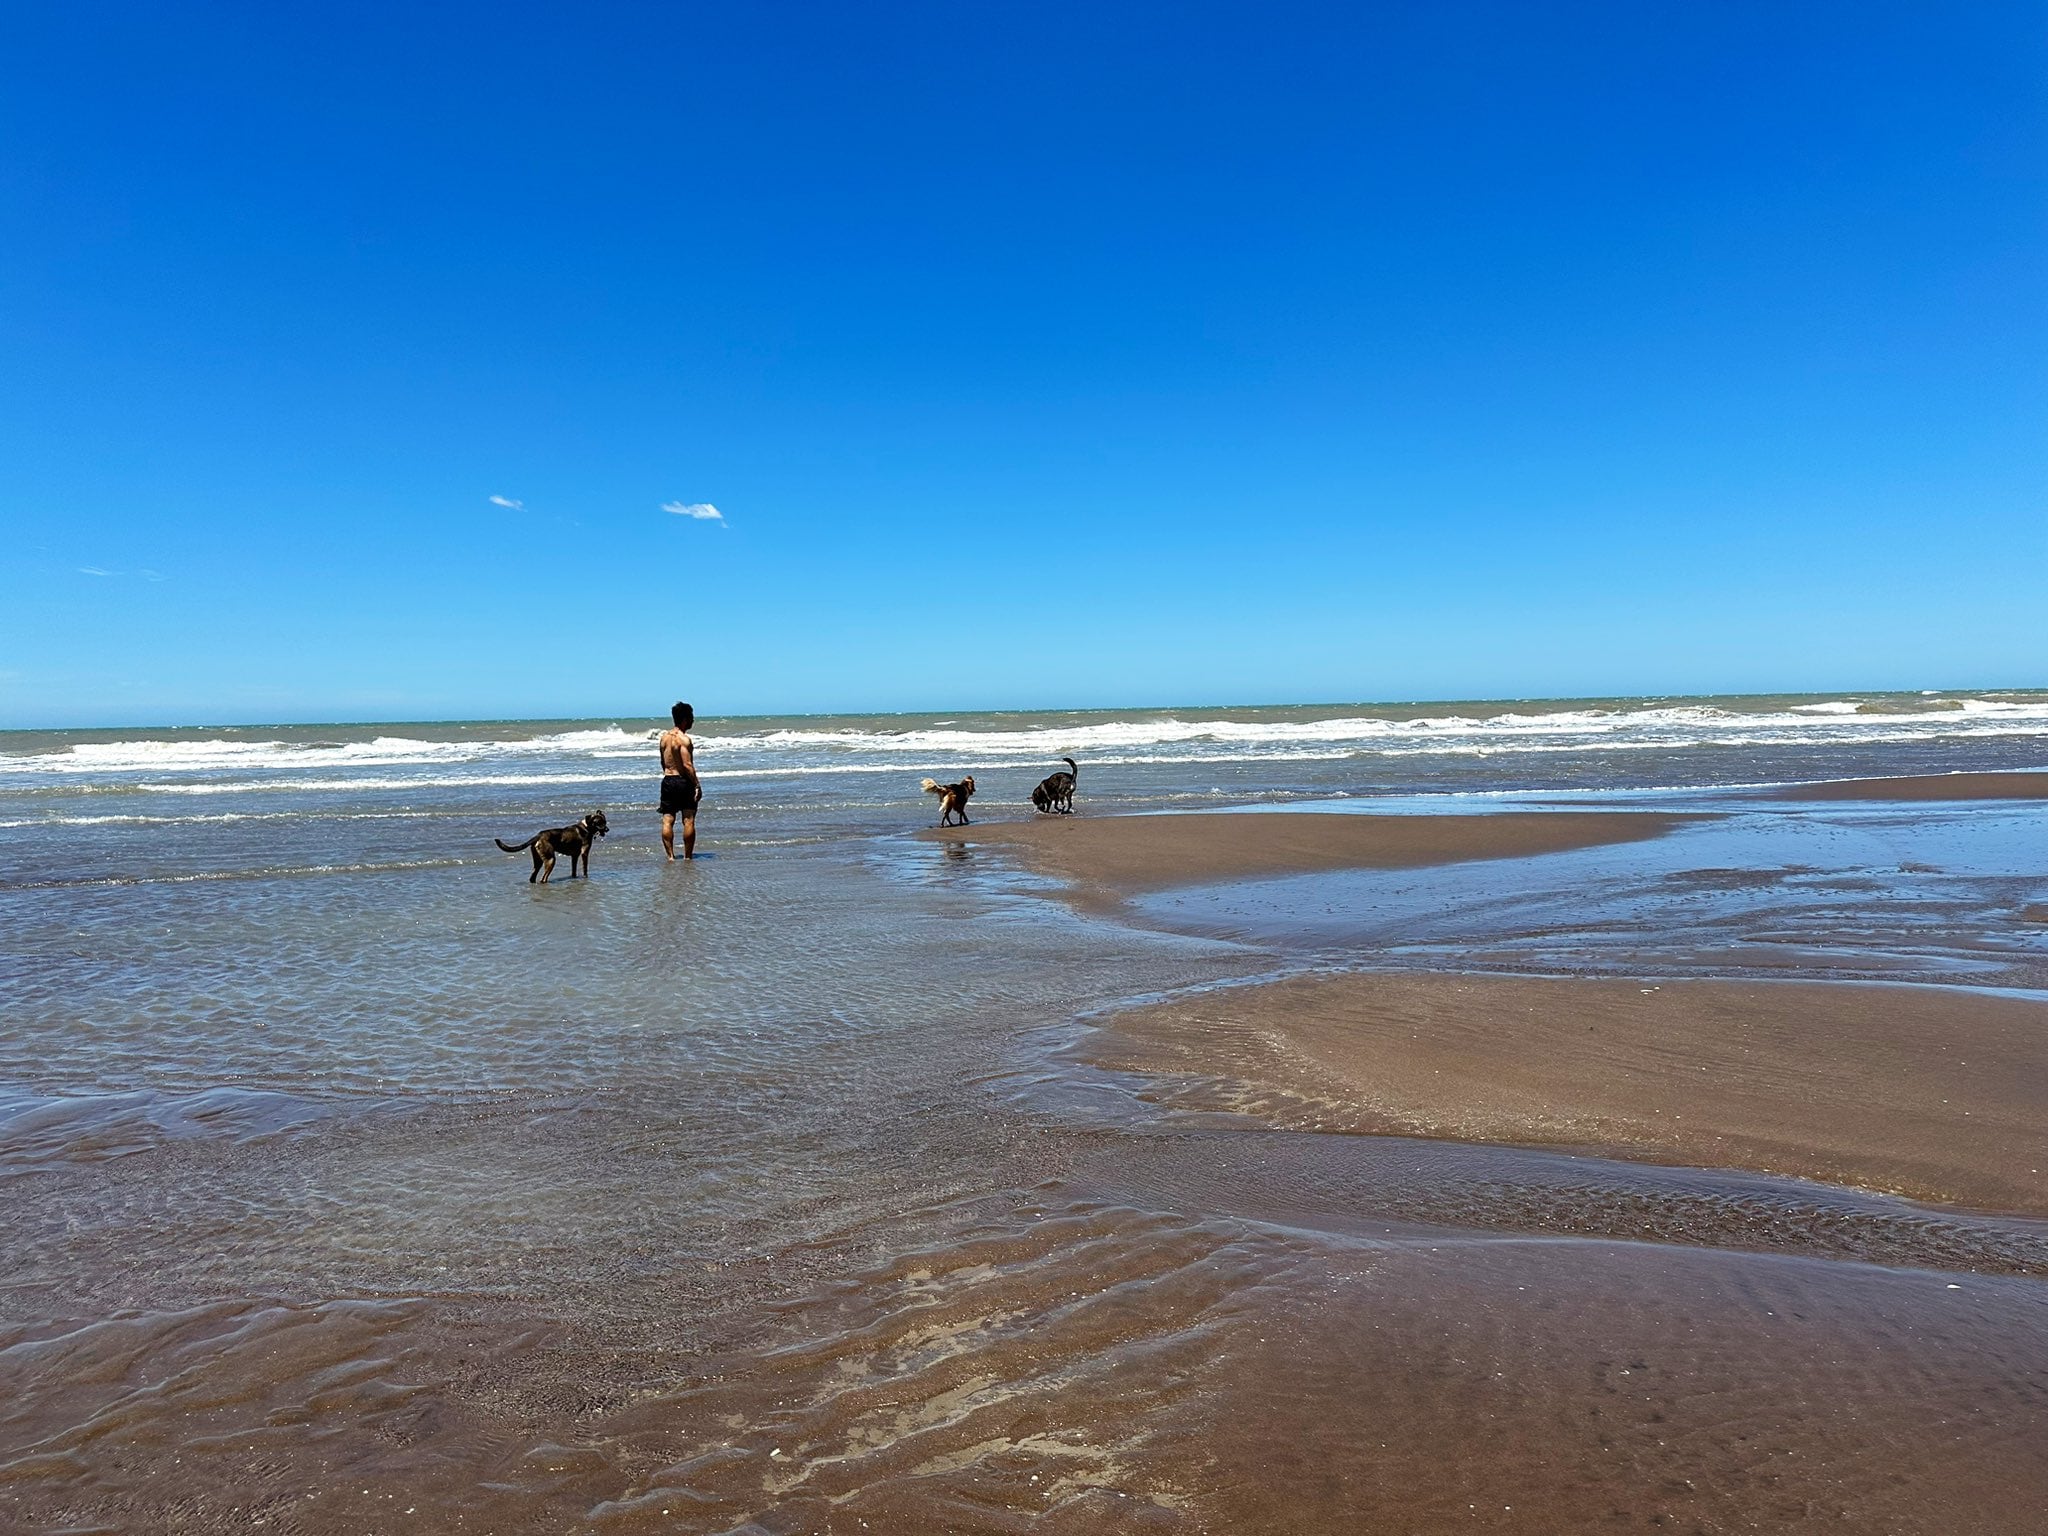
[[1937, 1093], [1924, 787], [1108, 858], [1178, 1334]]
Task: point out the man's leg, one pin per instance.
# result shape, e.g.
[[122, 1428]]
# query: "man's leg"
[[668, 834], [689, 837]]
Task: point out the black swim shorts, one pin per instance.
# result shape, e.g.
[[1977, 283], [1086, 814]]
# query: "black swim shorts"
[[680, 794]]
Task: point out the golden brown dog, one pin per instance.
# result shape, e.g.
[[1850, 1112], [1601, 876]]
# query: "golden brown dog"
[[574, 840], [953, 799]]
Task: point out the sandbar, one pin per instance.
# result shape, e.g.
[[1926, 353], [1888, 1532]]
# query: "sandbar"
[[1109, 858], [1935, 1093], [1927, 786]]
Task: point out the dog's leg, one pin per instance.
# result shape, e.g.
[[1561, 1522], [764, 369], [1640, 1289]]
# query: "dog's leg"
[[548, 872], [536, 865]]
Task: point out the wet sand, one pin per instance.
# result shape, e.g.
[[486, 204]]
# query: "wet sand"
[[1931, 787], [1933, 1093], [954, 1293], [1114, 1352], [1109, 858]]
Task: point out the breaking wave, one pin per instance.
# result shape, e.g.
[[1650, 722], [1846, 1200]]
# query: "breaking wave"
[[505, 756]]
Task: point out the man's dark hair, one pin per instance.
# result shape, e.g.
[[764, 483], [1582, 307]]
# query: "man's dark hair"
[[683, 715]]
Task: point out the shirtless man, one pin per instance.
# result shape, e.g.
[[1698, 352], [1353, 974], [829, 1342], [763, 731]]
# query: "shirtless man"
[[680, 790]]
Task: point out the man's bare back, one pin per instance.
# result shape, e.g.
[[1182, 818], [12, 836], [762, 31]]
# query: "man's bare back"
[[678, 753], [680, 789]]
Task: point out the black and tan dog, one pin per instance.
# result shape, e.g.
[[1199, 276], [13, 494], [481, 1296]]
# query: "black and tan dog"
[[1055, 793], [952, 799], [575, 841]]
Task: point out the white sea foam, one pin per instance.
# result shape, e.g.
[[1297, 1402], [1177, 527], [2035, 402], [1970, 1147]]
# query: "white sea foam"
[[210, 755], [58, 819], [391, 781], [227, 765]]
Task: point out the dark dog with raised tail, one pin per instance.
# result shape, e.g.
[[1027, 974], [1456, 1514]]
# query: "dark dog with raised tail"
[[574, 840], [1055, 793]]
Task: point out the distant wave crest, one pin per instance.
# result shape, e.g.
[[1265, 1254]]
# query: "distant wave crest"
[[196, 764]]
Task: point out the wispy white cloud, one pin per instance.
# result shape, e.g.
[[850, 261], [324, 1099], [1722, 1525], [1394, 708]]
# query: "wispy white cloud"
[[93, 570], [702, 511], [510, 503]]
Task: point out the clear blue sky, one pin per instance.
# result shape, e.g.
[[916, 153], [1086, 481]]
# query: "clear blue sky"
[[1035, 355]]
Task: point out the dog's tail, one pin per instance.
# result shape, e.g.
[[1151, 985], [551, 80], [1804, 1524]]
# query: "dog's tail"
[[1073, 767], [934, 787], [517, 847]]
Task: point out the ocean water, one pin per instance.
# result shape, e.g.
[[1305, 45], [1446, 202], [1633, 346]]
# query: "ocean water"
[[830, 770], [204, 908], [339, 1162]]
